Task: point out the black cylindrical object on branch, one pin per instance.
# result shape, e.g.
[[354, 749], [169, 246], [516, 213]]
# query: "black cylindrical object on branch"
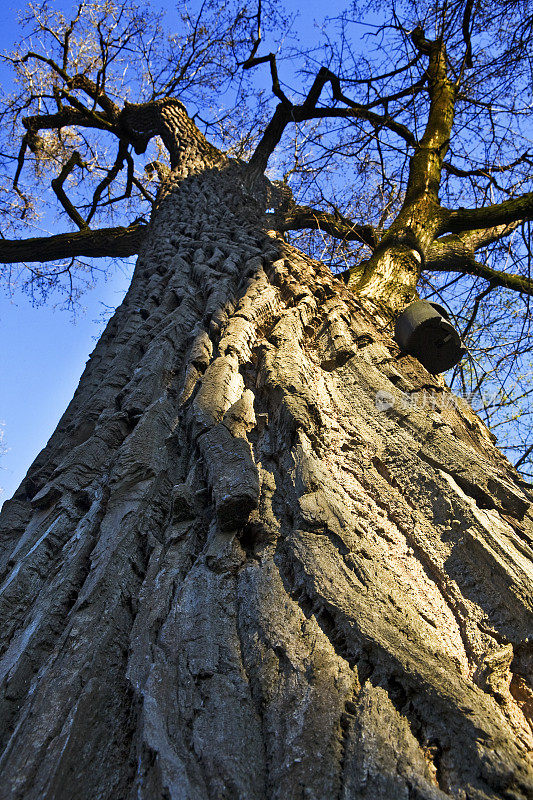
[[424, 331]]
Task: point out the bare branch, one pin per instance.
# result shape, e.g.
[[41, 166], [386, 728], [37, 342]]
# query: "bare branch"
[[475, 308], [57, 185], [276, 88], [465, 263], [252, 61], [109, 178], [487, 172], [308, 111], [523, 458], [68, 117], [466, 32], [257, 40]]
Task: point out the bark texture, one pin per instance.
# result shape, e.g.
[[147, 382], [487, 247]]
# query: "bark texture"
[[233, 573]]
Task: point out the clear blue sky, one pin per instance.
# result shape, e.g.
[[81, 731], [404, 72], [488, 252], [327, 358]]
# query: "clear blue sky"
[[44, 349]]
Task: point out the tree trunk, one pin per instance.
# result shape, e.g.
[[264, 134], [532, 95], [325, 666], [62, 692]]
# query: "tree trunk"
[[263, 555]]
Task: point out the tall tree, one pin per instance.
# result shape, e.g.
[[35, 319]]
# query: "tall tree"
[[266, 554]]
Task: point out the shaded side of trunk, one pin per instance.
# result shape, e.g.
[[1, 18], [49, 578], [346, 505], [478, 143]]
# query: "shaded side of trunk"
[[263, 555]]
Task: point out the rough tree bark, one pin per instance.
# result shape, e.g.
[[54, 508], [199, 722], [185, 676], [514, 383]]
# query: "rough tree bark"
[[231, 575]]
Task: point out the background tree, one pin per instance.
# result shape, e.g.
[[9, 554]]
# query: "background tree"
[[232, 572]]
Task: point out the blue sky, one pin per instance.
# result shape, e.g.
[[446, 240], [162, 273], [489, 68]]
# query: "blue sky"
[[44, 349]]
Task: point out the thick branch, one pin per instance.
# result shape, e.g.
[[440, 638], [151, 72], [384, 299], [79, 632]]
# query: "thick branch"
[[325, 75], [113, 242], [457, 254], [271, 138], [304, 217], [20, 159], [167, 118], [57, 185], [466, 32], [67, 117], [452, 252], [137, 123], [426, 163], [358, 112], [90, 88], [474, 240], [466, 219], [418, 38]]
